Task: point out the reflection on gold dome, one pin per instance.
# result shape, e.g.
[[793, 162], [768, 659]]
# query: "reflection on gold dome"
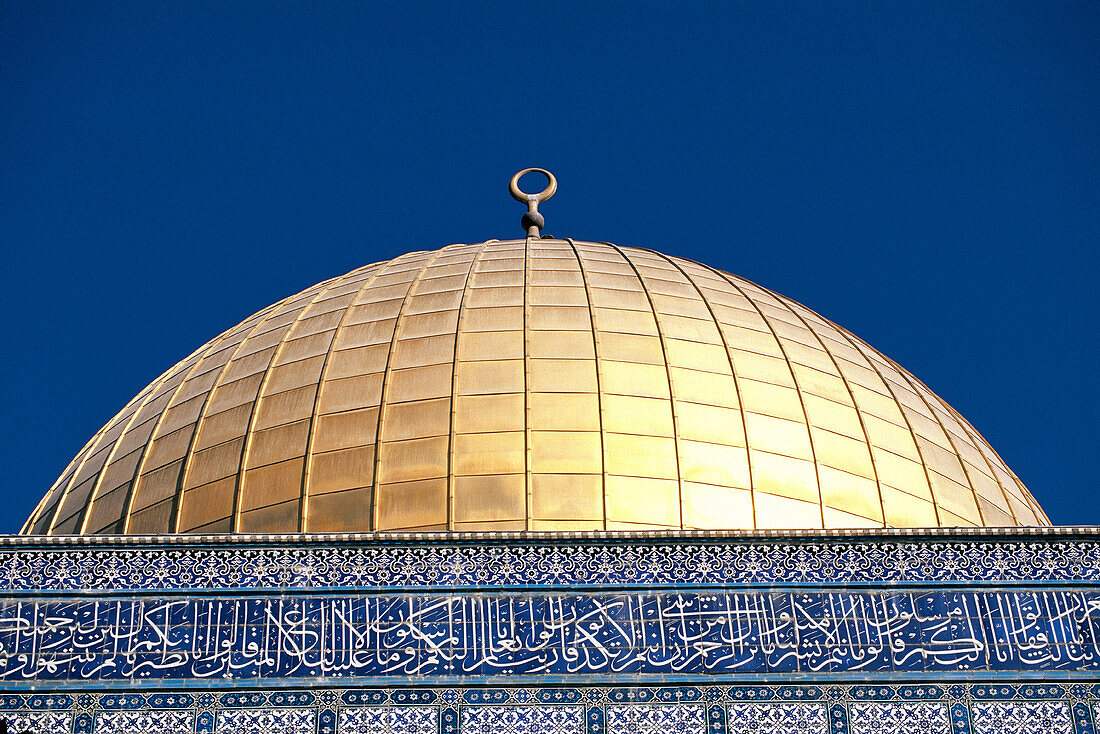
[[533, 385]]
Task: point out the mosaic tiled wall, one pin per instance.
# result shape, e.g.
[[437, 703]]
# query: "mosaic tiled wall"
[[838, 633], [929, 708]]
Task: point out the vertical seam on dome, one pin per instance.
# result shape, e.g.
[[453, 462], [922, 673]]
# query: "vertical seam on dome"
[[25, 528], [1029, 498], [78, 460], [599, 388], [177, 496], [181, 482], [851, 394], [962, 464], [901, 409], [1025, 493], [954, 414], [28, 524], [668, 375], [797, 388], [385, 381], [904, 375], [733, 374], [527, 478], [250, 431], [97, 438], [979, 442], [40, 508], [131, 492], [454, 382], [303, 496], [1032, 502], [974, 437]]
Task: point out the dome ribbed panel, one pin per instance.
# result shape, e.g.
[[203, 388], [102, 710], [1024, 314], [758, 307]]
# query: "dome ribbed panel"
[[534, 385]]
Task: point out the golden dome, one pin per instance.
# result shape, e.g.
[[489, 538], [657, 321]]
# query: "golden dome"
[[536, 384]]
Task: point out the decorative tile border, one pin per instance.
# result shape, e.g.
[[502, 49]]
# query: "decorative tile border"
[[928, 708], [583, 561]]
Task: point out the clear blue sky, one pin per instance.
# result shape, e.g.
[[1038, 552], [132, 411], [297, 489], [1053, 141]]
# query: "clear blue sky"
[[925, 174]]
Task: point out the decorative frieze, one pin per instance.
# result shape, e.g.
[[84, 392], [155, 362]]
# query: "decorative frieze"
[[928, 708], [677, 560]]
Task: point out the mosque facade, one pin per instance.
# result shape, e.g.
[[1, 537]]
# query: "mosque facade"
[[544, 486]]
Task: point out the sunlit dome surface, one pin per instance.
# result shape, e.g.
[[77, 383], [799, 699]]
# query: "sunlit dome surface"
[[533, 385]]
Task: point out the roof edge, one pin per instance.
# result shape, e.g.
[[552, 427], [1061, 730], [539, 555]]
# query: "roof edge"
[[383, 538]]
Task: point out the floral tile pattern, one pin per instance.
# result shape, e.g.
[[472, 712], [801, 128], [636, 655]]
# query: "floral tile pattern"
[[266, 721], [93, 564], [779, 718], [1022, 717], [144, 722], [45, 722], [657, 719], [389, 720], [895, 717], [926, 708], [522, 720]]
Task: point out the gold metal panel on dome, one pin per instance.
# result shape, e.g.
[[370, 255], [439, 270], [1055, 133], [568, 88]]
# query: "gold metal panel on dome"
[[533, 384]]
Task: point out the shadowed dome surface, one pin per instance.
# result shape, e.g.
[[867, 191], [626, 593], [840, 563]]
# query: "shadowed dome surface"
[[533, 385]]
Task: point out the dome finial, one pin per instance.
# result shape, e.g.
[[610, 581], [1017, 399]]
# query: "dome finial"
[[532, 221]]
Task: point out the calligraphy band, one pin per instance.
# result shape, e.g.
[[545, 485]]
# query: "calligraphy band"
[[479, 635]]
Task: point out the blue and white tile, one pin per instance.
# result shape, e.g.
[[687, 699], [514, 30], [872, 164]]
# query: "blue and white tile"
[[388, 720], [676, 718], [921, 717], [778, 718], [145, 722], [265, 721], [522, 720], [1021, 717], [226, 565], [39, 722]]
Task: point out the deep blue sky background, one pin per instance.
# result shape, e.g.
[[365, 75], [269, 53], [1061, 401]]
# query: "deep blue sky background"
[[925, 174]]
